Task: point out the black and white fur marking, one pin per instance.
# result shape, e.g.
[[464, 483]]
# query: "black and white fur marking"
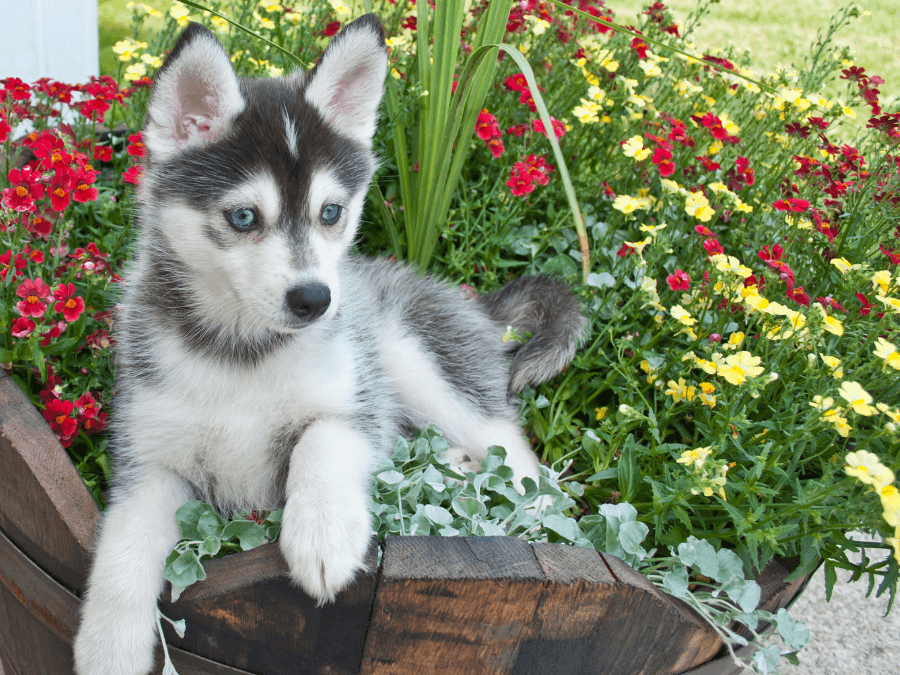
[[261, 364]]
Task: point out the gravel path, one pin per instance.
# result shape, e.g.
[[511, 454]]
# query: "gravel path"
[[848, 635]]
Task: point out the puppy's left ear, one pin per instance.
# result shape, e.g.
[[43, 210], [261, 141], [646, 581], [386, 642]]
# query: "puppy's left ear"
[[347, 83]]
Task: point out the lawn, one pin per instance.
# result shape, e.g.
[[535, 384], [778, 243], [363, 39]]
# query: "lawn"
[[779, 34]]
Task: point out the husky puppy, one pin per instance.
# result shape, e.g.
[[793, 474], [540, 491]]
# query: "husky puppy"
[[260, 363]]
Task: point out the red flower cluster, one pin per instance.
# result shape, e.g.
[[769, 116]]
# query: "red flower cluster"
[[487, 129], [518, 83], [715, 126], [67, 417], [867, 86], [791, 204], [524, 175], [559, 129], [711, 244]]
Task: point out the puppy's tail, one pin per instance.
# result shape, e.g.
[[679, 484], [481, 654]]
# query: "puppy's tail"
[[547, 309]]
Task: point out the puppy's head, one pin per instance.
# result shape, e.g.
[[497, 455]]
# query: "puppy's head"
[[258, 185]]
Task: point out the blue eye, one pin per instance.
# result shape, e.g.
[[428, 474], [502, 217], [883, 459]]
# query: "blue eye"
[[242, 219], [331, 213]]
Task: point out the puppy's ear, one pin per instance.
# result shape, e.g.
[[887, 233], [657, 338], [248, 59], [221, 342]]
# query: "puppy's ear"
[[347, 83], [196, 95]]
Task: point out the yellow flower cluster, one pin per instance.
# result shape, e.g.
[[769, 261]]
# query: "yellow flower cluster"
[[736, 368], [709, 476], [682, 391], [868, 469]]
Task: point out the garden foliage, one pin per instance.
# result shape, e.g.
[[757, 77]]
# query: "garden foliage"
[[739, 388]]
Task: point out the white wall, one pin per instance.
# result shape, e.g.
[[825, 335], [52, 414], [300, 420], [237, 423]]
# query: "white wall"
[[49, 38]]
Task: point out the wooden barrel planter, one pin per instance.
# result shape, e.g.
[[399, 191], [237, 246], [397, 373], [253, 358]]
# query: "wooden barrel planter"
[[467, 605]]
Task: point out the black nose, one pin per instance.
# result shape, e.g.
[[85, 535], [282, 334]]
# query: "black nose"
[[309, 302]]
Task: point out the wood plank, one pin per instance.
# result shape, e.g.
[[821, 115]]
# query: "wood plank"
[[248, 614], [45, 507], [462, 605], [598, 615]]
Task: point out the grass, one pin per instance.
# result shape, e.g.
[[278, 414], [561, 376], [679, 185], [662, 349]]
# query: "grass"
[[779, 34]]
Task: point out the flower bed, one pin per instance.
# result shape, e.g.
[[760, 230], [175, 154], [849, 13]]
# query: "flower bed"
[[735, 244]]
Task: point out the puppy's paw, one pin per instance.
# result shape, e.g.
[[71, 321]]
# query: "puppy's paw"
[[325, 551], [114, 642]]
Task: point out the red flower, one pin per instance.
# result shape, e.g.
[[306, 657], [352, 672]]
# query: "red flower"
[[103, 153], [516, 82], [638, 45], [4, 129], [495, 145], [713, 246], [331, 29], [894, 258], [82, 179], [704, 231], [831, 302], [48, 336], [866, 306], [136, 149], [625, 250], [520, 183], [558, 127], [40, 227], [87, 406], [68, 304], [775, 254], [26, 188], [93, 425], [17, 89], [791, 204], [799, 296], [58, 414], [537, 168], [486, 126], [32, 293], [18, 266], [708, 164], [22, 327], [133, 175], [679, 281]]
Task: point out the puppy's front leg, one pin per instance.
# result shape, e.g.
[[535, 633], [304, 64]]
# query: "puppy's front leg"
[[118, 620], [327, 524]]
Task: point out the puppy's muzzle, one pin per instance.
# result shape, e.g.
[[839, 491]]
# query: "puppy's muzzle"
[[308, 302]]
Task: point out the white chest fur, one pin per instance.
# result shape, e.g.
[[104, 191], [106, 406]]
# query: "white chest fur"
[[224, 427]]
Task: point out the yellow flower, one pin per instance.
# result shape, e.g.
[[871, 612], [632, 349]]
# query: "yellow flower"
[[881, 280], [601, 412], [844, 265], [697, 205], [829, 323], [634, 147], [833, 363], [627, 204], [587, 112], [706, 394], [885, 350], [839, 423], [822, 403], [737, 368], [734, 340], [858, 398], [890, 502], [680, 391], [696, 457], [892, 304], [180, 14], [638, 246], [681, 315], [867, 468], [135, 72], [127, 49]]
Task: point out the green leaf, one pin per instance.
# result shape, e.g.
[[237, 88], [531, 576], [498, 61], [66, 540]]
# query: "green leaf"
[[390, 477], [438, 514], [469, 507], [210, 546], [249, 533], [566, 528], [794, 633], [676, 581]]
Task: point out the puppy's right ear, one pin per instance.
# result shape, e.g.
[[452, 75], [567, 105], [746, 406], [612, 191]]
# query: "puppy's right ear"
[[196, 95]]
